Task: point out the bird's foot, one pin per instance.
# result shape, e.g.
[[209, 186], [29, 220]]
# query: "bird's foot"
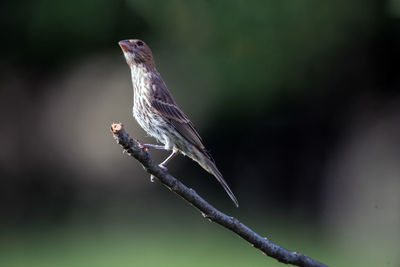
[[142, 146], [152, 177], [163, 167]]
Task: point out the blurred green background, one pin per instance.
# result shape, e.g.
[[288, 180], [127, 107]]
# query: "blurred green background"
[[298, 101]]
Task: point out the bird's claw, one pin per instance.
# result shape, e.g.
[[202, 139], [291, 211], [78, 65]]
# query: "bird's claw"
[[141, 145], [163, 167], [152, 177]]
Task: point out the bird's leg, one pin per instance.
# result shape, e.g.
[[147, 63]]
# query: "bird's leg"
[[147, 146], [155, 146], [162, 164]]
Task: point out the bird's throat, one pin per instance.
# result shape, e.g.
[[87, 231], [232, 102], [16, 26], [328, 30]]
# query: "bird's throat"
[[140, 76]]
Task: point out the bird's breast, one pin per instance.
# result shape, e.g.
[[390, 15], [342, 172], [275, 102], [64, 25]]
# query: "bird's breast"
[[144, 114], [148, 118]]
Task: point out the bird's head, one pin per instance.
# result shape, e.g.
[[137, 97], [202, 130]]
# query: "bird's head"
[[137, 52]]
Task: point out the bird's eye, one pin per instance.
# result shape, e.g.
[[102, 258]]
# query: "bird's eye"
[[140, 43]]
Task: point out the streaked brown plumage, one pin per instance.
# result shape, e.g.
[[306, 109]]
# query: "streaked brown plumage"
[[159, 115]]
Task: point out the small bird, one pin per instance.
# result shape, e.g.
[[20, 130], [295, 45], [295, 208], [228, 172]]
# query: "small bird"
[[159, 115]]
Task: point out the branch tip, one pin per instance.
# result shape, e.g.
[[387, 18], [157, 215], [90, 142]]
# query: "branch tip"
[[116, 127]]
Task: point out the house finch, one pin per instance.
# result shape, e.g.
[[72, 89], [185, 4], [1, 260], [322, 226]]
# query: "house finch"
[[158, 114]]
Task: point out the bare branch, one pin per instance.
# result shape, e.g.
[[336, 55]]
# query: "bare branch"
[[208, 211]]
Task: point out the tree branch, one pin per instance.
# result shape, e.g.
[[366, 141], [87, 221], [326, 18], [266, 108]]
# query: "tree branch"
[[135, 150]]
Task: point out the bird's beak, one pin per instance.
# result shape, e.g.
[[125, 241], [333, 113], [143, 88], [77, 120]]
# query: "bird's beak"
[[125, 46]]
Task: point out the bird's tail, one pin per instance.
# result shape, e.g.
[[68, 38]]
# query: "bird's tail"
[[205, 160]]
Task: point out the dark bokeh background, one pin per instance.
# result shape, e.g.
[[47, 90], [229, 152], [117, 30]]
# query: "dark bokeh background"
[[298, 102]]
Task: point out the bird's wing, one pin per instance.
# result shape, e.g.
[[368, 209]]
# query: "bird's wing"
[[163, 102]]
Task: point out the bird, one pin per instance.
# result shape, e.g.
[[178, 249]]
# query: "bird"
[[157, 112]]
